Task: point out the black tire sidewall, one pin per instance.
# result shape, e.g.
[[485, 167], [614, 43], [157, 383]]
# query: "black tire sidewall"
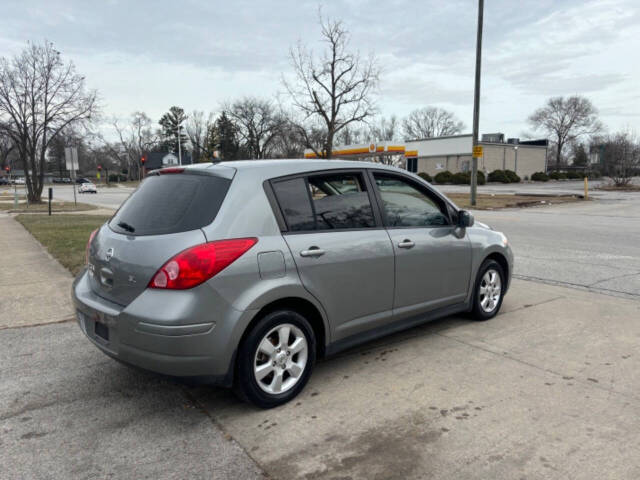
[[246, 385], [478, 312]]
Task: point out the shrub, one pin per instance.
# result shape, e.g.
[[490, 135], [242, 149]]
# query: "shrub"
[[498, 176], [443, 177], [464, 178], [573, 175], [461, 178], [540, 177], [512, 176], [425, 176], [116, 177], [557, 176]]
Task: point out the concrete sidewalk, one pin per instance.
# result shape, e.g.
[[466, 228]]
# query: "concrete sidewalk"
[[34, 287]]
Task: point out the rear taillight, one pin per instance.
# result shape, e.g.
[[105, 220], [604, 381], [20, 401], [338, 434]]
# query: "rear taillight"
[[198, 264], [86, 253]]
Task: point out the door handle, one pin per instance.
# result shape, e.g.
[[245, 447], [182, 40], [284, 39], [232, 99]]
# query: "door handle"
[[312, 252], [406, 243]]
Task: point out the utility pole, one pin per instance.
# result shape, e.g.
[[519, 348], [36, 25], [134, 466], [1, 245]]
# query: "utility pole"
[[476, 105], [179, 147]]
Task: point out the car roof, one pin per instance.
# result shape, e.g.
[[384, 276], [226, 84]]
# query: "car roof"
[[276, 168]]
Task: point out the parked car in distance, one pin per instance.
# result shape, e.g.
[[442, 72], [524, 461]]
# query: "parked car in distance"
[[87, 187], [244, 273], [19, 181], [4, 181], [81, 180], [62, 180]]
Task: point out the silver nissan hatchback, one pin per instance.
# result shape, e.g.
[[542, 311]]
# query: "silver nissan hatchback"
[[245, 273]]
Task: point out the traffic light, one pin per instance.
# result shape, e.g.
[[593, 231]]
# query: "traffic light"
[[7, 169], [143, 159], [99, 168]]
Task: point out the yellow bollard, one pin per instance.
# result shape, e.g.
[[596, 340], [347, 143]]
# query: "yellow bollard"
[[586, 188]]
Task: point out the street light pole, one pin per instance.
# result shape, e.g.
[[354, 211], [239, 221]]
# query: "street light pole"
[[476, 104], [179, 147]]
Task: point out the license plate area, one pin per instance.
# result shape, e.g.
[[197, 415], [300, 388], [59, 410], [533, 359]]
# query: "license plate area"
[[101, 331]]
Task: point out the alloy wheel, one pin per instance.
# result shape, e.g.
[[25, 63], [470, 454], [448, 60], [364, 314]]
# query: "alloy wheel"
[[490, 290], [280, 359]]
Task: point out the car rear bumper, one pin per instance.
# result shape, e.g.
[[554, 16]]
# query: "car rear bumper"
[[171, 333]]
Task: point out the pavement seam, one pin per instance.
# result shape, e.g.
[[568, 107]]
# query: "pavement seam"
[[41, 324], [603, 291], [577, 262], [197, 404], [614, 278]]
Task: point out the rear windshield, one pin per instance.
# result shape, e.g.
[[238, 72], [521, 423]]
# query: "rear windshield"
[[171, 203]]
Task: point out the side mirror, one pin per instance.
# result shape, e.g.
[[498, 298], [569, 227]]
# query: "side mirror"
[[465, 219]]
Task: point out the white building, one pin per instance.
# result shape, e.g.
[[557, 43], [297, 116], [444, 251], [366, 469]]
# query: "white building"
[[453, 153]]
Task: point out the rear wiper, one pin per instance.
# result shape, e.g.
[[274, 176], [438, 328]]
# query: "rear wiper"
[[126, 226]]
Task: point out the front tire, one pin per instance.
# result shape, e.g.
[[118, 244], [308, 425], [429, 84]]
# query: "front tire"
[[488, 290], [275, 360]]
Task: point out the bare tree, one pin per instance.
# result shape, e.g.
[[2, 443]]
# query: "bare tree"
[[6, 147], [565, 120], [383, 129], [351, 134], [333, 90], [198, 127], [69, 137], [39, 96], [621, 157], [258, 123], [288, 143], [431, 122], [134, 138]]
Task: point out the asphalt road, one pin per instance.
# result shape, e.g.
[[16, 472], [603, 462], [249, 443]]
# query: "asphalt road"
[[69, 412], [105, 198], [590, 245]]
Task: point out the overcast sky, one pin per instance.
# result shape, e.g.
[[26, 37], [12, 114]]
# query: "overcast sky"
[[149, 55]]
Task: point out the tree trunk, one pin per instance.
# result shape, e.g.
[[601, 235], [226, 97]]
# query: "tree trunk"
[[328, 154], [558, 156]]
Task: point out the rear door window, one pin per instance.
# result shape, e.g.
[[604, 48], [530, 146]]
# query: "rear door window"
[[325, 202], [171, 203], [340, 202]]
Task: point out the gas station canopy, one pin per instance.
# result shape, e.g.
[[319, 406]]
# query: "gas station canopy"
[[363, 150]]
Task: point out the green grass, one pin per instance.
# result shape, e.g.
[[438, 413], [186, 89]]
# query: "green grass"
[[43, 207], [64, 236]]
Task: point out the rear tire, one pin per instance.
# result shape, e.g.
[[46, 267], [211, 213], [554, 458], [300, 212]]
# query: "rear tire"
[[275, 359], [488, 290]]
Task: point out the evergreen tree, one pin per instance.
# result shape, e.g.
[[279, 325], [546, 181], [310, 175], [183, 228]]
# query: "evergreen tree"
[[172, 123], [227, 136], [580, 157]]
